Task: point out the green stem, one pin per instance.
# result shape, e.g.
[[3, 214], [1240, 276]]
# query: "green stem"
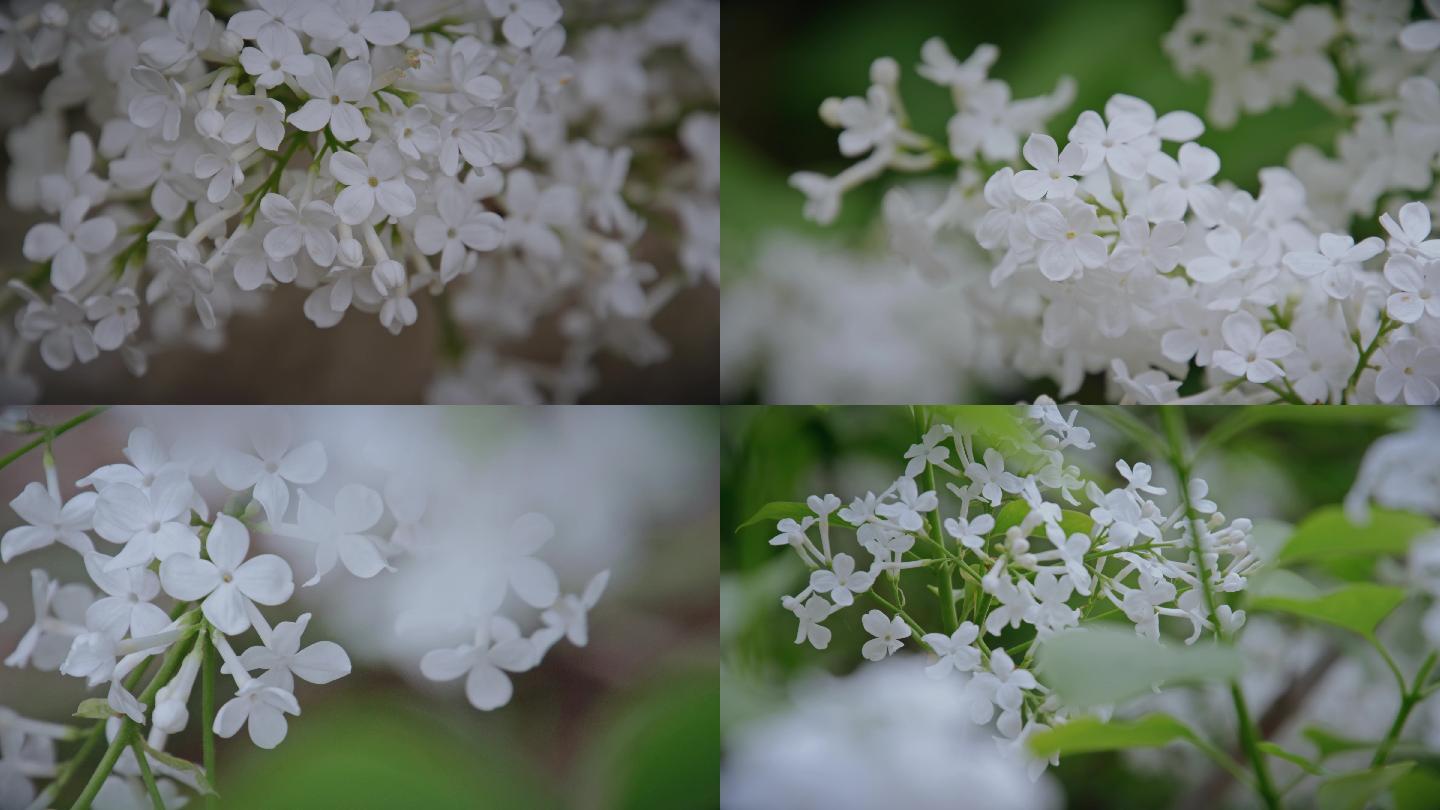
[[947, 584], [207, 715], [145, 775], [1386, 327], [1180, 458], [1409, 699], [50, 435], [252, 204], [107, 763]]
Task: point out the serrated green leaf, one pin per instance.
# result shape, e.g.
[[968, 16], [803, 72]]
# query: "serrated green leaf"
[[1353, 791], [1328, 744], [184, 766], [1098, 665], [1090, 734], [1289, 756], [1328, 533], [95, 709], [1359, 607]]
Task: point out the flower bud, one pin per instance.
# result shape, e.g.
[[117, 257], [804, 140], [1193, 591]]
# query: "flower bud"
[[209, 122], [54, 15], [228, 45], [103, 25], [884, 71], [388, 276], [830, 111], [171, 716]]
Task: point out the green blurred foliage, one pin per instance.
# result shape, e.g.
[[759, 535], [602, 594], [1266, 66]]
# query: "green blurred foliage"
[[788, 57], [660, 748], [370, 750]]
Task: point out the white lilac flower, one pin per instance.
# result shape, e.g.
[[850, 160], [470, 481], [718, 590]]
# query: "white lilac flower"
[[48, 521], [889, 634], [498, 648], [333, 98], [228, 583], [152, 524], [375, 181], [276, 463], [66, 244], [164, 201], [283, 659], [957, 652], [340, 535]]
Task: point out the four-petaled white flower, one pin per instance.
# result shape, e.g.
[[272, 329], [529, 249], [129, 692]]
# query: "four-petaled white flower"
[[283, 660], [1337, 262], [279, 55], [1249, 351], [333, 99], [229, 583], [570, 613], [377, 179], [153, 523], [1001, 687], [312, 226], [458, 224], [66, 244], [339, 535], [273, 466], [811, 613], [841, 581], [498, 648], [1054, 172], [352, 24], [889, 634], [263, 707], [49, 521], [957, 651]]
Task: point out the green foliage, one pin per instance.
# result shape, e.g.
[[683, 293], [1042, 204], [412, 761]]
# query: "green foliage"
[[1085, 735], [95, 709], [1358, 607], [185, 766], [663, 749], [1303, 763], [776, 511], [1012, 513], [1328, 744], [1353, 791], [1097, 665], [369, 752], [1327, 534]]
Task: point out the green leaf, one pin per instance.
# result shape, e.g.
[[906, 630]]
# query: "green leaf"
[[1012, 513], [1328, 744], [1328, 533], [1098, 664], [993, 424], [197, 773], [1289, 756], [1416, 790], [95, 709], [1359, 607], [776, 511], [1353, 791], [1085, 735]]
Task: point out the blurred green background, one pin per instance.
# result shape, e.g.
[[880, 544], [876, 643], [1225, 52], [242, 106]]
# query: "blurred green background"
[[626, 722], [1287, 462]]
